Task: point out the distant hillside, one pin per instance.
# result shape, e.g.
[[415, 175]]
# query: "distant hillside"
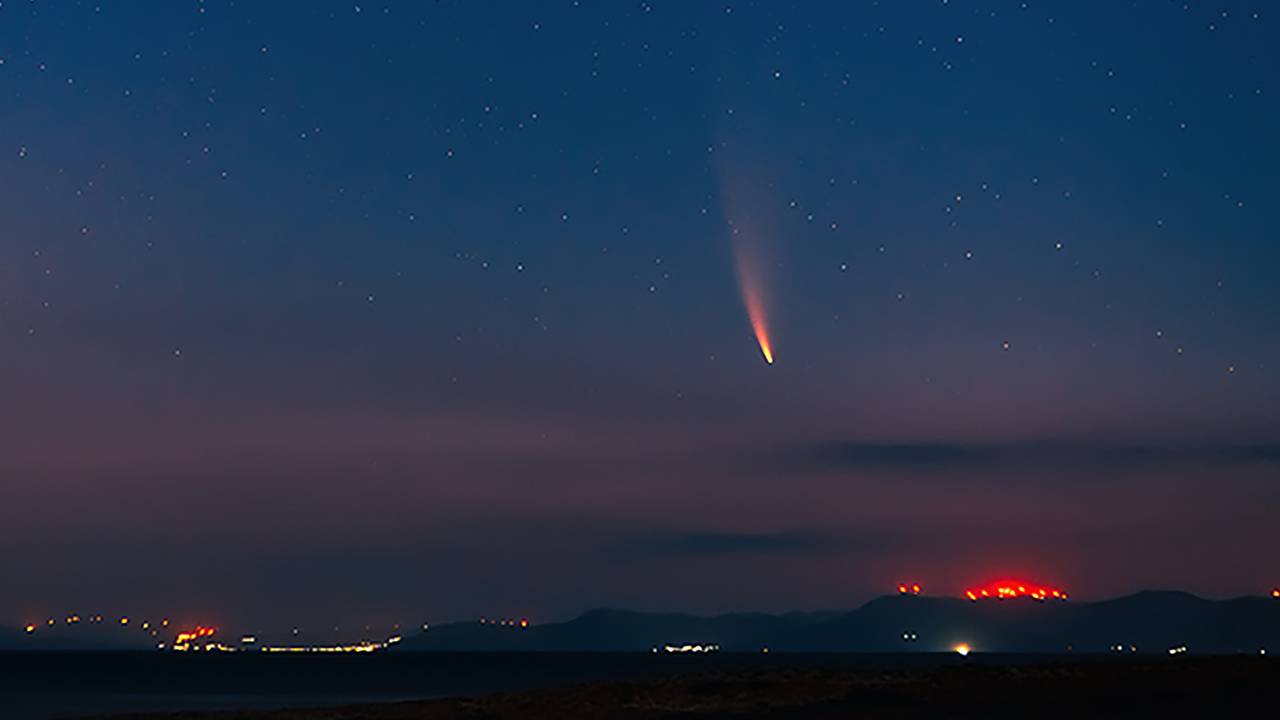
[[1147, 622], [79, 637]]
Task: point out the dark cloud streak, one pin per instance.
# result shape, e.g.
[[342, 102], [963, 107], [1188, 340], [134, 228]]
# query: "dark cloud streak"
[[955, 456], [707, 543]]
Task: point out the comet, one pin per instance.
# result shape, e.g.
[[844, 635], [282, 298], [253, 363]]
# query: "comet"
[[755, 313], [746, 198], [749, 281]]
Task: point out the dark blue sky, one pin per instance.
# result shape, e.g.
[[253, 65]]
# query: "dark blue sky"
[[376, 310]]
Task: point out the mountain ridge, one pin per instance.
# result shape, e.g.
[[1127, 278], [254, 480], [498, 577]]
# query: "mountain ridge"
[[1146, 621]]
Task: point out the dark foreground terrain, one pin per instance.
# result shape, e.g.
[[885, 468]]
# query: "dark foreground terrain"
[[1149, 687]]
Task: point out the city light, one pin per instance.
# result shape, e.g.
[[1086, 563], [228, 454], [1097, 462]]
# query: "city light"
[[682, 649], [185, 639], [909, 589], [1003, 589], [365, 647], [962, 649], [500, 622]]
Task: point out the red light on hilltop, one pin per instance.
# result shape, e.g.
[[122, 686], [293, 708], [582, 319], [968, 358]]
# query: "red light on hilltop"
[[200, 632], [1003, 589], [909, 589]]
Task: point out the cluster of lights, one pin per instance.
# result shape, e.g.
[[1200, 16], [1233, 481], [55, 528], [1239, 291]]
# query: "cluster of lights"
[[94, 620], [1012, 589], [207, 647], [186, 640], [502, 622], [198, 639], [362, 647], [1178, 650], [1122, 648], [682, 649], [909, 589]]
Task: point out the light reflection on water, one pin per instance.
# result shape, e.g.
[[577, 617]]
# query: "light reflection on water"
[[62, 706]]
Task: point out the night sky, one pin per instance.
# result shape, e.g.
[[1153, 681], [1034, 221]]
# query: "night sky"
[[430, 310]]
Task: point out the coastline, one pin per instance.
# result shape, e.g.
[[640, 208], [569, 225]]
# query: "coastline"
[[1072, 688]]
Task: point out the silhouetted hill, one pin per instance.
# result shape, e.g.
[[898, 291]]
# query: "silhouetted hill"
[[608, 630], [1147, 622], [80, 637], [9, 639]]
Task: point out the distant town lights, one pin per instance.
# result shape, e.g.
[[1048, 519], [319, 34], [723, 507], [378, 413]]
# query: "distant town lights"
[[682, 649], [1003, 589], [962, 649]]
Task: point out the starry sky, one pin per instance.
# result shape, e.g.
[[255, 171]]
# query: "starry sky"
[[430, 310]]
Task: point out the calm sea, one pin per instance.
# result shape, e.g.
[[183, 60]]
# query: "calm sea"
[[52, 686]]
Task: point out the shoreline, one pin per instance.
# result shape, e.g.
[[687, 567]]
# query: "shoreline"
[[1142, 687]]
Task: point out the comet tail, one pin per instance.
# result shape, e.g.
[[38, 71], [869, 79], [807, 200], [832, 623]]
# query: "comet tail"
[[753, 298]]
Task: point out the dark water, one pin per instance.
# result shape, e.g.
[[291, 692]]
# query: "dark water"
[[45, 686]]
